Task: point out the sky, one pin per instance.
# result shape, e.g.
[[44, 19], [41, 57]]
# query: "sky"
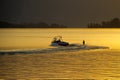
[[72, 13]]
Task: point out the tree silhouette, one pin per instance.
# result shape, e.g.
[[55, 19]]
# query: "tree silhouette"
[[30, 25], [5, 24], [114, 23]]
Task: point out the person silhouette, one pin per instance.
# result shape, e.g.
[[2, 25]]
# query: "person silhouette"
[[83, 42]]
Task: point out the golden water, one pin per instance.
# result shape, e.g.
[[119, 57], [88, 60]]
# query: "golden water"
[[41, 38], [81, 64]]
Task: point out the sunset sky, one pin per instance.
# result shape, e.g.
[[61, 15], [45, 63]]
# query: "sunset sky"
[[73, 13]]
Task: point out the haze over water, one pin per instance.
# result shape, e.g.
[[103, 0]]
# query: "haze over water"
[[101, 64]]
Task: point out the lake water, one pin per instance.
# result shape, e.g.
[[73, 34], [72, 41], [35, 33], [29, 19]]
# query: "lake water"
[[41, 38], [98, 64]]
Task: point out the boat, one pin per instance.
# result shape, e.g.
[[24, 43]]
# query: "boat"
[[57, 41]]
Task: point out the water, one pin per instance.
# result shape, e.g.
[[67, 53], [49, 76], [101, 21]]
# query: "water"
[[98, 64], [41, 38]]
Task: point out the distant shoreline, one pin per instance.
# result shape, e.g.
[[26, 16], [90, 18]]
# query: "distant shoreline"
[[113, 23], [30, 25]]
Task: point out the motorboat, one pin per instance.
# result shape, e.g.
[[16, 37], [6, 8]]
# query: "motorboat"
[[57, 41]]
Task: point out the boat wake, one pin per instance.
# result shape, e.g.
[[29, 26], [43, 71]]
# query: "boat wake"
[[72, 47]]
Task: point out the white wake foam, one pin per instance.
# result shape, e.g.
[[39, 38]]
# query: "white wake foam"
[[72, 47]]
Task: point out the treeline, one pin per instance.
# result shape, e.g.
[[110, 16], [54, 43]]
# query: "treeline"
[[114, 23], [30, 25]]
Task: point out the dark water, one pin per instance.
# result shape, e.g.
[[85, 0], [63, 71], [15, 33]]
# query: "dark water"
[[83, 64]]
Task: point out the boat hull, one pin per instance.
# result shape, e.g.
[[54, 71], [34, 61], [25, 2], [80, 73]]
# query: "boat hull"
[[59, 44]]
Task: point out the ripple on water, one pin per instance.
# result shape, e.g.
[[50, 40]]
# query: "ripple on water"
[[84, 65]]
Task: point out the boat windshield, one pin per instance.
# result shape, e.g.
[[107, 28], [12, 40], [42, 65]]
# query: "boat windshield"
[[57, 39]]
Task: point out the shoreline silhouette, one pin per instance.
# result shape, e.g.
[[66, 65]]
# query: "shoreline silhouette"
[[113, 23]]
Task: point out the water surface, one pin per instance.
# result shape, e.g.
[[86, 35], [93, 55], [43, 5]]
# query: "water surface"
[[41, 38], [99, 64]]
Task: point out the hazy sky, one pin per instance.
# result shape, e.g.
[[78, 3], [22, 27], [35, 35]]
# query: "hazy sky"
[[69, 12]]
